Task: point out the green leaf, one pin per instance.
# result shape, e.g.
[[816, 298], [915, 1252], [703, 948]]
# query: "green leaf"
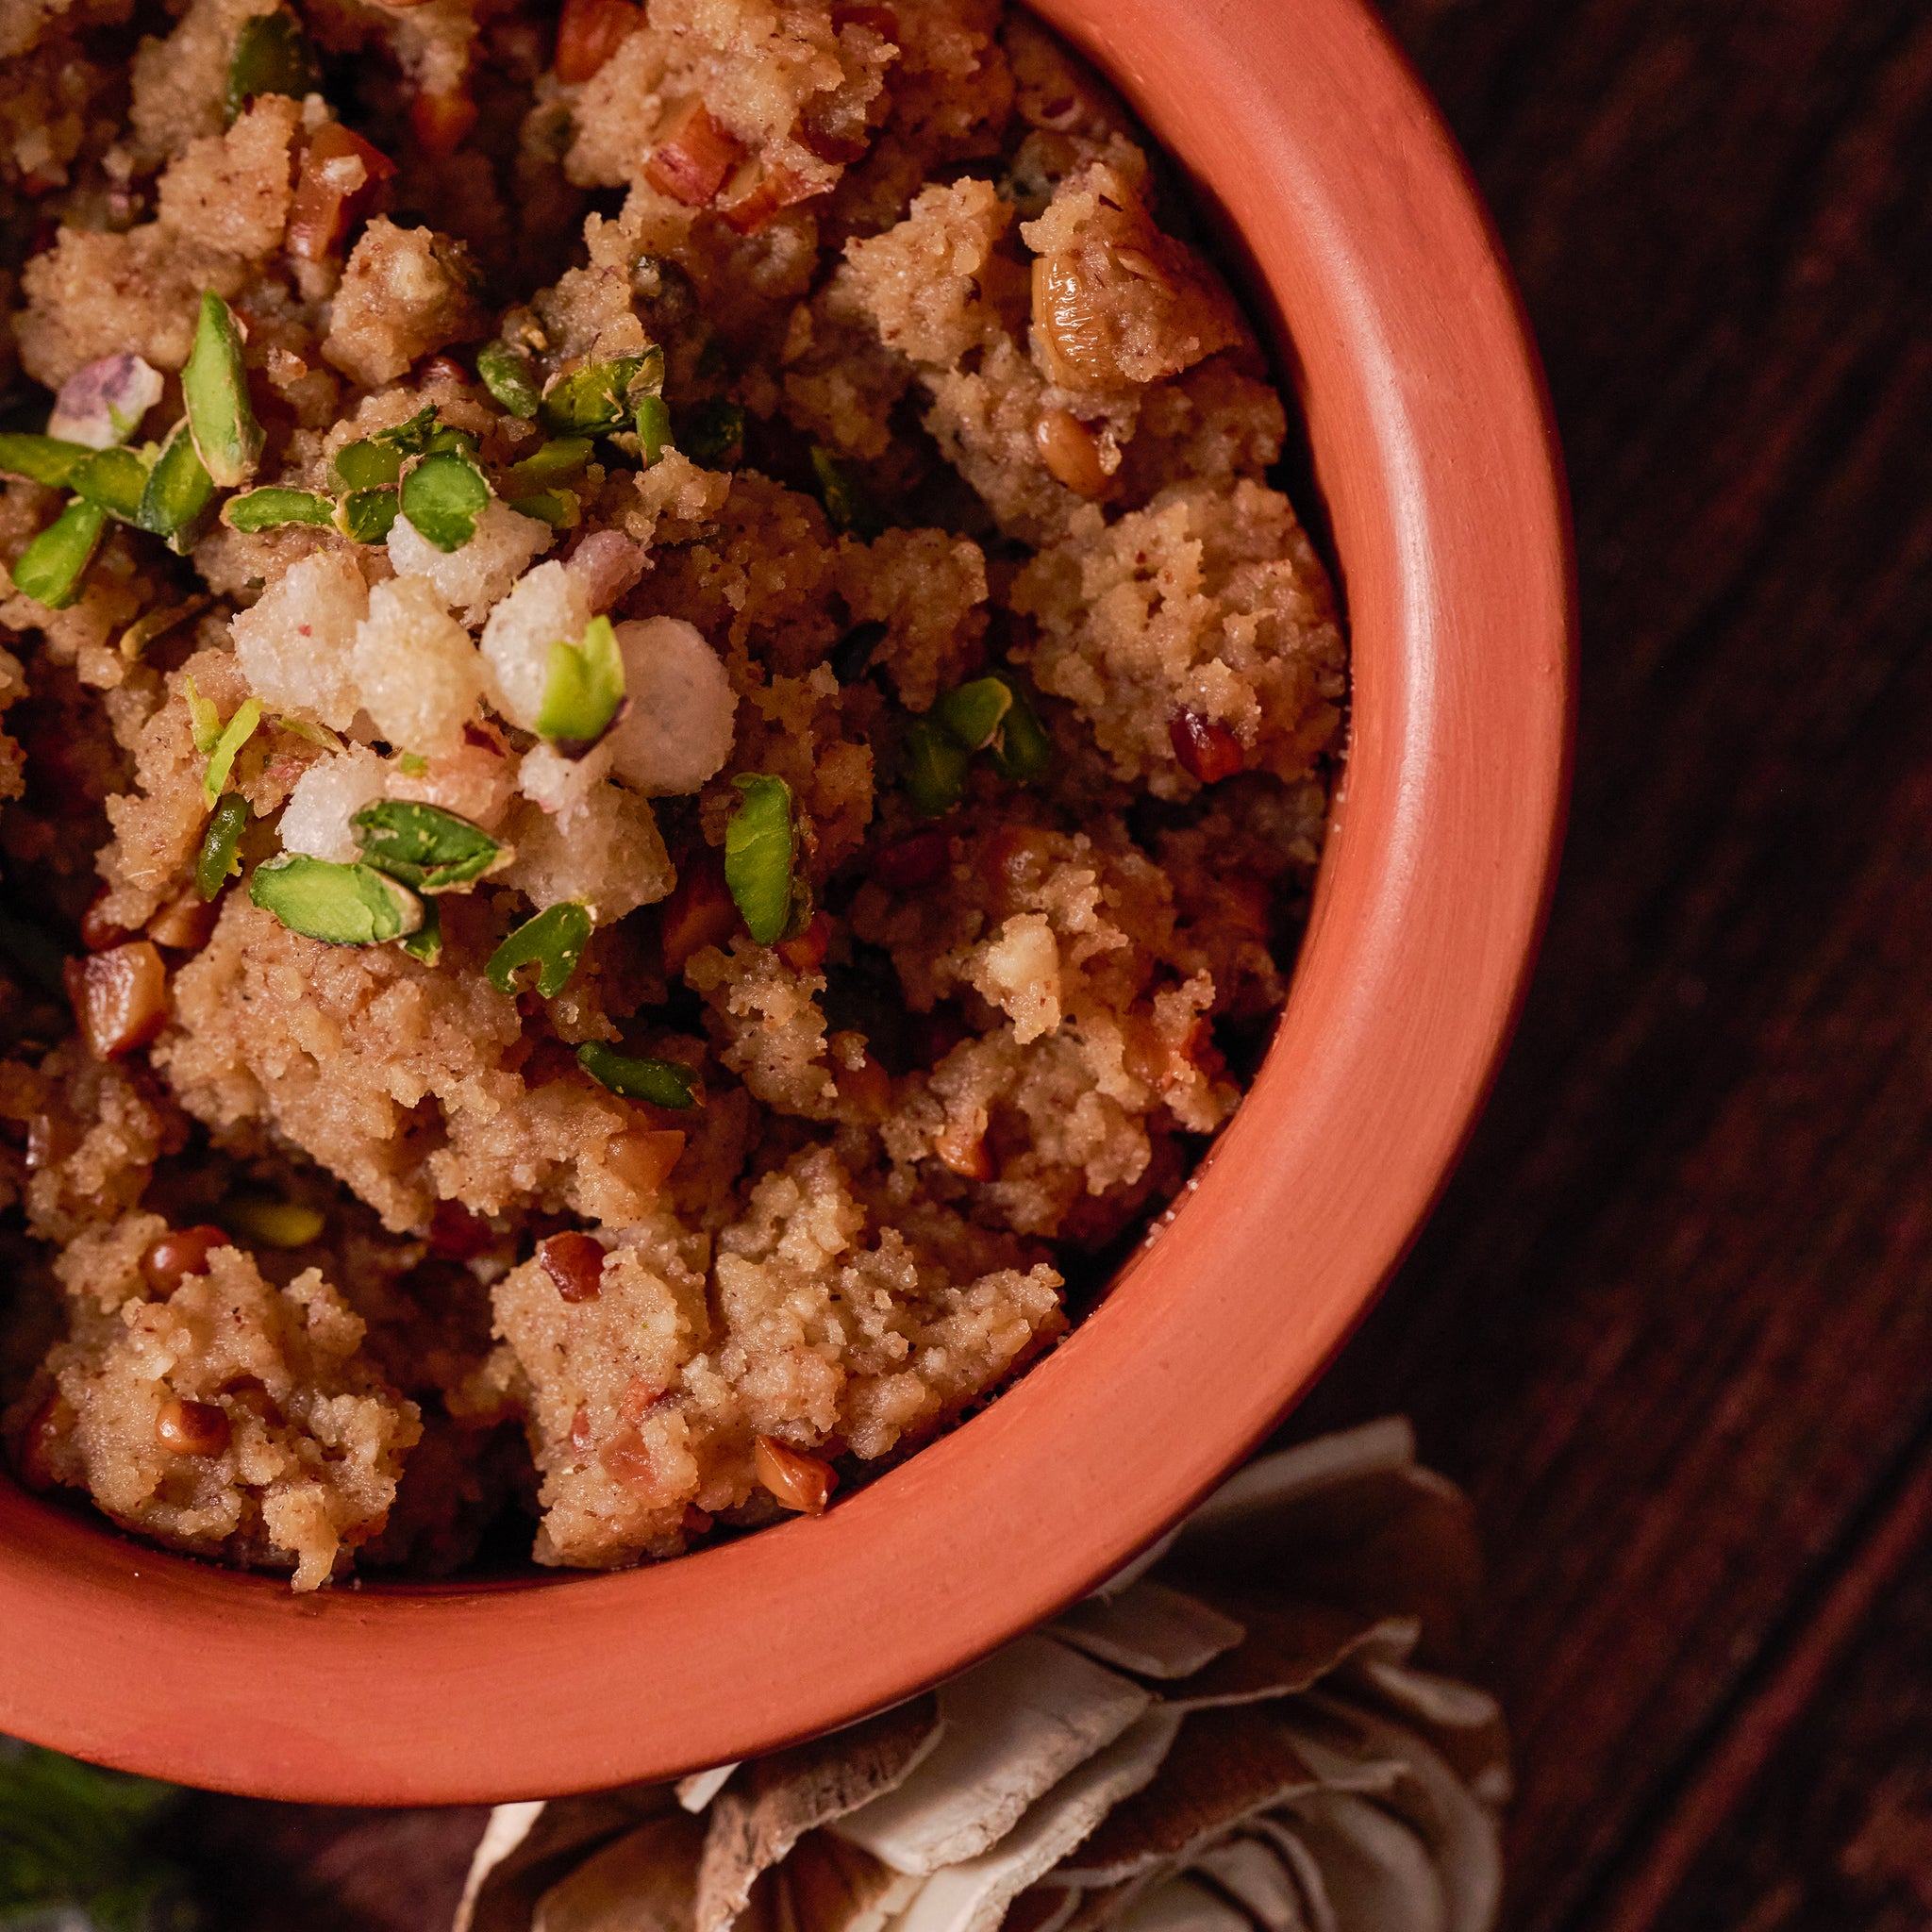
[[344, 905], [214, 385], [663, 1083], [51, 567], [583, 685], [558, 507], [425, 942], [555, 461], [220, 858], [204, 721], [235, 734], [273, 508], [179, 490], [428, 848], [760, 849], [972, 713], [272, 57], [714, 434], [41, 459], [442, 497], [507, 373], [366, 516], [273, 1224], [599, 396], [1021, 751], [847, 505], [370, 464], [654, 429], [935, 768], [553, 943]]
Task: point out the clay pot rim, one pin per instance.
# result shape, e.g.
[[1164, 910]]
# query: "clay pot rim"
[[1439, 463]]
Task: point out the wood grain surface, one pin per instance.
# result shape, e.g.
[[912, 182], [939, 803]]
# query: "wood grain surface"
[[1673, 1324]]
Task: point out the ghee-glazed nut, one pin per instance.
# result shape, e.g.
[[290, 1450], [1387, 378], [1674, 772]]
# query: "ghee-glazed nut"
[[178, 1254], [119, 997], [642, 1158], [1208, 751], [1068, 451], [699, 911], [33, 1448], [192, 1428], [799, 1481], [1070, 326], [97, 931], [691, 156], [965, 1153], [184, 923], [574, 1261]]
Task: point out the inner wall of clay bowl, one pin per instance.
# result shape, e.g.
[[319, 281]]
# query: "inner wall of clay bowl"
[[1432, 456]]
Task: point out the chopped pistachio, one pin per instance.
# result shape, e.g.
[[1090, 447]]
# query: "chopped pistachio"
[[446, 436], [583, 685], [214, 385], [41, 459], [413, 764], [272, 57], [714, 434], [51, 567], [365, 516], [507, 373], [179, 492], [760, 851], [443, 496], [412, 436], [273, 1224], [654, 429], [204, 721], [343, 904], [220, 858], [663, 1083], [553, 943], [116, 479], [430, 850], [315, 734], [425, 942], [366, 465], [600, 396], [101, 405], [935, 768], [273, 508], [235, 734], [559, 508], [1021, 751], [847, 505], [972, 713], [555, 462]]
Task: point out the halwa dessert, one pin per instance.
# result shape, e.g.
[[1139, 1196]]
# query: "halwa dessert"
[[666, 747]]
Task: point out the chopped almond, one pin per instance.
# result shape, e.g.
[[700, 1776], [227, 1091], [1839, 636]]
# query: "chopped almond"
[[700, 911], [178, 1254], [799, 1481], [965, 1153], [119, 998], [340, 174], [692, 157], [757, 191], [589, 33], [184, 923], [642, 1158]]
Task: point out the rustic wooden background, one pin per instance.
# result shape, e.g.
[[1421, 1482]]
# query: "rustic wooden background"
[[1673, 1324]]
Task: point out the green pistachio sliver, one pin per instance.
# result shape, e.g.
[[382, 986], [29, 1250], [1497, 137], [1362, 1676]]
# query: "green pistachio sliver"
[[413, 764], [214, 385], [235, 734], [41, 459], [558, 507], [51, 567], [343, 904], [598, 396], [116, 479], [553, 943], [370, 464], [220, 858], [1021, 751], [714, 434], [273, 508], [583, 685], [972, 714], [654, 429], [445, 436], [555, 461], [425, 942], [430, 850], [367, 516], [442, 497], [272, 1224], [935, 768], [507, 373], [204, 721], [663, 1083], [179, 492], [315, 734], [847, 505], [411, 436], [272, 57], [760, 850]]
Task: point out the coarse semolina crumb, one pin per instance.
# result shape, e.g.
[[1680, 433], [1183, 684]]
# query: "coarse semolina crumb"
[[725, 838]]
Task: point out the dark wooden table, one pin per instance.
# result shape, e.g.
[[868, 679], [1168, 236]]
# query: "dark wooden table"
[[1673, 1324]]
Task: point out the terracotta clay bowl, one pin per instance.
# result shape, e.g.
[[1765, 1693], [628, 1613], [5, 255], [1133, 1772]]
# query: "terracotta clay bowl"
[[1433, 451]]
